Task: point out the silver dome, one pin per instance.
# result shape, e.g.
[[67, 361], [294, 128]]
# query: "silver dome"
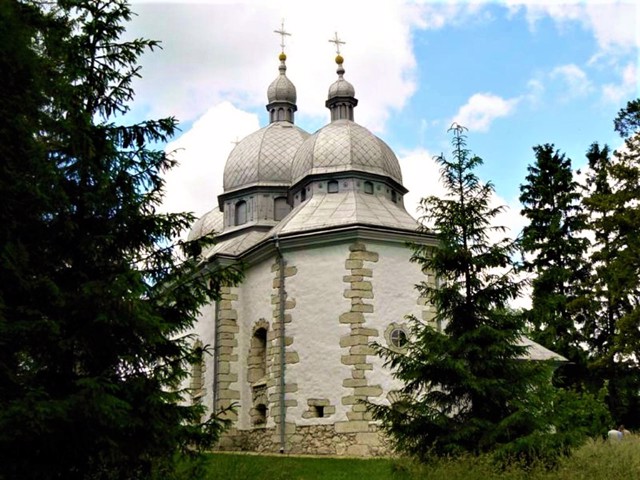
[[212, 221], [264, 157], [341, 88], [282, 89], [342, 146]]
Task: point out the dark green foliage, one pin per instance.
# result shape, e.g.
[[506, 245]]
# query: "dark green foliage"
[[94, 298], [555, 249], [466, 388], [613, 322], [627, 123]]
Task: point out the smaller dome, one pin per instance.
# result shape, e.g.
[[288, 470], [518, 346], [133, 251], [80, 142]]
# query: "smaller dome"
[[282, 89], [341, 88], [212, 221]]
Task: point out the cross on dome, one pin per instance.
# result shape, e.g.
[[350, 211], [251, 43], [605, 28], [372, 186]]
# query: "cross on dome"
[[282, 34], [338, 42]]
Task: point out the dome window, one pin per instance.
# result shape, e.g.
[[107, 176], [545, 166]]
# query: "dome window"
[[280, 208], [394, 196], [303, 195], [332, 186], [241, 212], [368, 188]]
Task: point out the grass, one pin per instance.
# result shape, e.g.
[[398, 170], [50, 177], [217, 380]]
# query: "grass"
[[596, 460]]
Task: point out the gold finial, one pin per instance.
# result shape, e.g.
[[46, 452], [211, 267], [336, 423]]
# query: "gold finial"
[[338, 42], [282, 34]]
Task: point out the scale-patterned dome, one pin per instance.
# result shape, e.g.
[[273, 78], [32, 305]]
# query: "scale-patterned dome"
[[264, 157], [341, 88], [341, 146], [212, 221]]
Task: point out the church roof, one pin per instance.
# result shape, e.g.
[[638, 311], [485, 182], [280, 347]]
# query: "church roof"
[[536, 351], [332, 210], [264, 157], [237, 244], [341, 146]]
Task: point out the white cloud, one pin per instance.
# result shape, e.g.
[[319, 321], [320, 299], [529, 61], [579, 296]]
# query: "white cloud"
[[421, 176], [627, 88], [217, 51], [614, 23], [575, 80], [482, 109], [194, 185]]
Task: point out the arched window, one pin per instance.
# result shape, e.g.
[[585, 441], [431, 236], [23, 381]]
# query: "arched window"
[[280, 208], [241, 212], [368, 188], [332, 186], [258, 355], [197, 373], [394, 196]]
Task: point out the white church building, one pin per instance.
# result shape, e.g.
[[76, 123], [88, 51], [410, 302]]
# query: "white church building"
[[319, 224]]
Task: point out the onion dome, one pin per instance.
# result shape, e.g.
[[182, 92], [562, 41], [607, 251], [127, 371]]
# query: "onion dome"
[[343, 146], [263, 158], [341, 88], [341, 99], [281, 95]]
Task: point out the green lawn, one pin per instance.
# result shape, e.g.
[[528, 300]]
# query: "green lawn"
[[596, 460]]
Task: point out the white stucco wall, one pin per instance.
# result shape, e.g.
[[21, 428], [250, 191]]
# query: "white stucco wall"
[[204, 330], [318, 290], [254, 303], [393, 282]]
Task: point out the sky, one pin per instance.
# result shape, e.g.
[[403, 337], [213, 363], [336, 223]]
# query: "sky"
[[515, 73]]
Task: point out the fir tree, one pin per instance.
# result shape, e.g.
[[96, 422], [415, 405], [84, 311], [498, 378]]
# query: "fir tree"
[[94, 300], [555, 247], [466, 387], [615, 320]]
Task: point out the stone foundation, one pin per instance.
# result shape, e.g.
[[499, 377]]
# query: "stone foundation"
[[309, 440]]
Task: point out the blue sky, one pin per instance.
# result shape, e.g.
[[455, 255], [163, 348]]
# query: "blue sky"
[[516, 73]]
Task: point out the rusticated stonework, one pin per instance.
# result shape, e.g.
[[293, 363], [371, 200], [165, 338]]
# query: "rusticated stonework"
[[359, 292], [226, 347], [274, 340]]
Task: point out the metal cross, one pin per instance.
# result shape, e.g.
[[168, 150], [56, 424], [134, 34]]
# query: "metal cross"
[[283, 34], [338, 42]]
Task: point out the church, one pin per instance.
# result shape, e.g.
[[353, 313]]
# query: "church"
[[319, 225]]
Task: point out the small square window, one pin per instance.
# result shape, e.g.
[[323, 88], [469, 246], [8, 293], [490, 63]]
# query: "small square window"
[[332, 186], [368, 188]]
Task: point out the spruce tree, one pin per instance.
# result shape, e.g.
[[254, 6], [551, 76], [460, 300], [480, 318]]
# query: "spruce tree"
[[615, 319], [96, 293], [555, 246], [466, 388]]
